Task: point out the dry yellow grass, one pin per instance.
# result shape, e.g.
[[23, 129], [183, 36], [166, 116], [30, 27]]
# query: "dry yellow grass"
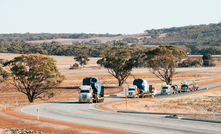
[[74, 77]]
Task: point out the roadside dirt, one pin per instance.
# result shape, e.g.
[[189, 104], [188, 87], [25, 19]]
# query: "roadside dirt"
[[9, 118], [200, 104]]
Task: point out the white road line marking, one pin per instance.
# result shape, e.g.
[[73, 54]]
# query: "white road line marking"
[[24, 111]]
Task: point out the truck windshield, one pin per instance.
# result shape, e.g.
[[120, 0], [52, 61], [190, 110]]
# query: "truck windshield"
[[184, 86], [165, 88], [85, 91], [130, 89]]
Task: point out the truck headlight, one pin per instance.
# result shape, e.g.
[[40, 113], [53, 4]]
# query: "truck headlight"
[[80, 99]]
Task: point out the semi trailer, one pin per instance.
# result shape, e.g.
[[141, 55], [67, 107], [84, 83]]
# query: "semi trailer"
[[140, 88], [91, 91]]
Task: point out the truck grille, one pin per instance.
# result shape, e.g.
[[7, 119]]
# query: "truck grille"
[[130, 93], [84, 97], [164, 91]]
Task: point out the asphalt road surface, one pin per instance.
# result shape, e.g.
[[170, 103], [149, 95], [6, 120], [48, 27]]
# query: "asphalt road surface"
[[89, 114]]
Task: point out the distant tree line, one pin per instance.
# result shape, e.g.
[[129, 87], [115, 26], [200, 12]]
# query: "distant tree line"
[[55, 48], [18, 37], [188, 35], [206, 61], [196, 50], [91, 48]]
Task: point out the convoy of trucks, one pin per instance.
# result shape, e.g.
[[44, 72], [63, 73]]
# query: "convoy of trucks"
[[185, 87], [92, 91]]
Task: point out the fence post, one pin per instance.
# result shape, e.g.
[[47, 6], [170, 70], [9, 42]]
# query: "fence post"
[[37, 114], [5, 106], [213, 114], [125, 94]]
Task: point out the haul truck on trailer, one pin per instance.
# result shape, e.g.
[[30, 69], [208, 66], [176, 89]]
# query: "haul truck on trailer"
[[168, 89], [91, 91], [140, 88], [186, 87]]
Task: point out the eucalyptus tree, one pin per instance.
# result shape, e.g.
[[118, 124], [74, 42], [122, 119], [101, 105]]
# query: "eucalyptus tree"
[[34, 74], [119, 61], [82, 59], [163, 60]]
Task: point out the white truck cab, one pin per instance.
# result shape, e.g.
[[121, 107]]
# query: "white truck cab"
[[132, 91], [166, 89], [185, 87], [85, 94]]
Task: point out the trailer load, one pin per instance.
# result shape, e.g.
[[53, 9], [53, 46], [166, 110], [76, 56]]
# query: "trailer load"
[[176, 89], [91, 91], [140, 88]]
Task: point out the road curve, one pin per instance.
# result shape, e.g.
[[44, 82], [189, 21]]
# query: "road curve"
[[89, 114]]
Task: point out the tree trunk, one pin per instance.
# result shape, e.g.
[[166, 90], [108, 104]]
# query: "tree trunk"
[[169, 81], [30, 98], [120, 82]]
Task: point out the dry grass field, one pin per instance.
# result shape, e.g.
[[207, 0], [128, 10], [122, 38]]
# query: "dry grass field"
[[68, 89], [103, 39]]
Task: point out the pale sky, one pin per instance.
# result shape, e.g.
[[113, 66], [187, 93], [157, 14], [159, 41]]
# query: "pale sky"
[[104, 16]]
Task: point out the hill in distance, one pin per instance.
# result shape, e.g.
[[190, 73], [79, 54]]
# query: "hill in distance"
[[185, 37]]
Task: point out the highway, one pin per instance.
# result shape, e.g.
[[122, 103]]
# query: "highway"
[[89, 114]]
